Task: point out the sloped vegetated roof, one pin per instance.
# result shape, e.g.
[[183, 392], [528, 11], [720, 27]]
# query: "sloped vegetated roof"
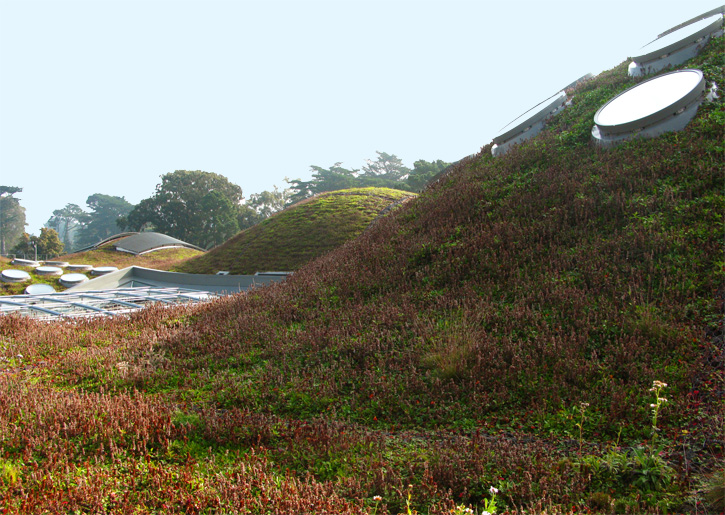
[[138, 243], [144, 242], [298, 234], [106, 255], [511, 333]]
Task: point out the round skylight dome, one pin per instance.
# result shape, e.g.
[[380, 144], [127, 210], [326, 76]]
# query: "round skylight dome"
[[528, 124], [59, 264], [675, 47], [39, 289], [80, 268], [69, 280], [103, 270], [14, 276], [48, 270], [25, 262], [662, 104]]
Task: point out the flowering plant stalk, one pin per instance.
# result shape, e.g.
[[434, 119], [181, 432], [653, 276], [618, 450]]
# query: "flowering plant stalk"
[[582, 409], [657, 387], [489, 505]]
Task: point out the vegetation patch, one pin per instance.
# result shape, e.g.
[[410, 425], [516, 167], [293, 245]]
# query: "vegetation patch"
[[300, 233], [163, 259], [536, 333]]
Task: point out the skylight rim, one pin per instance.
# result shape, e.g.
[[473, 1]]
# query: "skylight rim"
[[655, 116], [559, 99], [656, 52]]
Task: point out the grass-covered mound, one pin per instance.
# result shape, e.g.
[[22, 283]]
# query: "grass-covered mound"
[[503, 330], [106, 255], [300, 233]]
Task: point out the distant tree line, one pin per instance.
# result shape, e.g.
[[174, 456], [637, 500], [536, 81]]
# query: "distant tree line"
[[387, 171], [194, 206], [79, 229], [207, 209], [201, 208]]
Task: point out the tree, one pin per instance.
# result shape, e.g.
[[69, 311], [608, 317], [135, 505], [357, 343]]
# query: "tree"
[[323, 179], [386, 166], [194, 206], [66, 221], [387, 171], [260, 206], [12, 218], [100, 223], [47, 244], [423, 172], [219, 220]]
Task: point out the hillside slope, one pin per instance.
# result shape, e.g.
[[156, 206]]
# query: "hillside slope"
[[505, 329], [162, 259], [298, 234]]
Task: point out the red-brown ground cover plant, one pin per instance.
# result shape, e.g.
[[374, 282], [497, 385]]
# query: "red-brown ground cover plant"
[[502, 330]]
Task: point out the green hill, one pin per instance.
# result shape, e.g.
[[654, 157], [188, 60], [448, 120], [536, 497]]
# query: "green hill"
[[162, 259], [300, 233], [503, 338]]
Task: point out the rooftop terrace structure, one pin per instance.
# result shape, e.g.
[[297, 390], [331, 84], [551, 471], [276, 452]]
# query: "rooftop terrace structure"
[[136, 276], [130, 289], [84, 304]]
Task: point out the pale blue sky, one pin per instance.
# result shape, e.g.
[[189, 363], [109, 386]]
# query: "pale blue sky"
[[106, 96]]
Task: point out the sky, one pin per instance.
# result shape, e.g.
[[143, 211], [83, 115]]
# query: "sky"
[[106, 96]]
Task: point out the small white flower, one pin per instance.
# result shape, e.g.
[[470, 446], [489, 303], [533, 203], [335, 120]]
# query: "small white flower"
[[493, 490], [485, 513], [377, 498], [653, 405]]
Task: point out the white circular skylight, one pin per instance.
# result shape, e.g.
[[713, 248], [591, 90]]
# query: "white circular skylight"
[[48, 270], [80, 268], [528, 124], [39, 289], [25, 262], [676, 46], [650, 101], [679, 38], [533, 115], [102, 270], [662, 104], [69, 280], [59, 264], [14, 276]]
